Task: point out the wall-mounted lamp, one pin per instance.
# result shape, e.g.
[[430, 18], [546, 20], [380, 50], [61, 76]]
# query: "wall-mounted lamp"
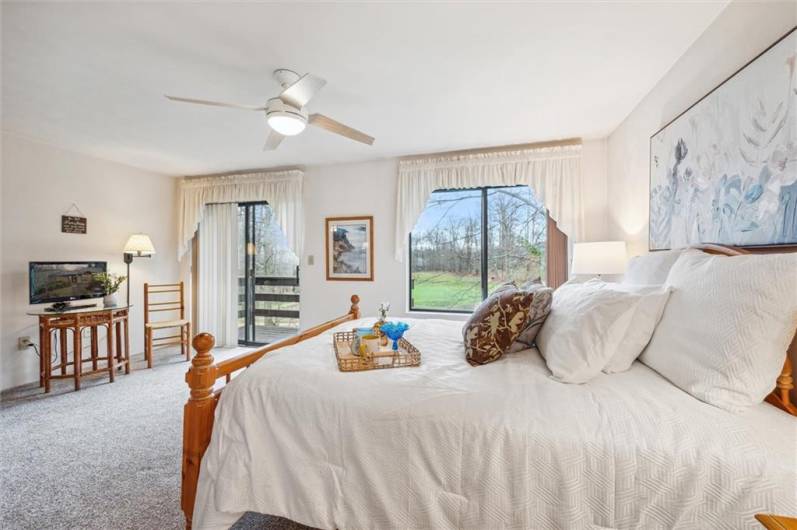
[[137, 246]]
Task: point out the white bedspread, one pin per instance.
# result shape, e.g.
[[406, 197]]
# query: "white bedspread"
[[447, 445]]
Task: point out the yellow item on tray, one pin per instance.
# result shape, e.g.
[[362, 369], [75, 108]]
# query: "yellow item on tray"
[[372, 343]]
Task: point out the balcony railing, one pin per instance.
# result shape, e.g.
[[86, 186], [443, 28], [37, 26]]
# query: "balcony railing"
[[274, 306]]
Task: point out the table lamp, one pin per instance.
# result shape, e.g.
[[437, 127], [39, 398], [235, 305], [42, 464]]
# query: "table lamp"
[[599, 257], [137, 246]]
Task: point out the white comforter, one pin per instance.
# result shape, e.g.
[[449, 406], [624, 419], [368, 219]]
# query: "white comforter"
[[447, 445]]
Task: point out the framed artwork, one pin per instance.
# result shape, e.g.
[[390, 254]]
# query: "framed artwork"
[[725, 170], [349, 248]]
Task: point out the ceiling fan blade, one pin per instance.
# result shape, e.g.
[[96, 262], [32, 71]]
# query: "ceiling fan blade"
[[215, 103], [319, 120], [273, 141], [302, 91]]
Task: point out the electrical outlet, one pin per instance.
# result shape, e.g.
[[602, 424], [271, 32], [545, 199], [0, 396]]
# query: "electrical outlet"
[[23, 343], [311, 260]]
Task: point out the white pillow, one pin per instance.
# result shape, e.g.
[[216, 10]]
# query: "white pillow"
[[584, 329], [651, 268], [726, 328], [653, 299]]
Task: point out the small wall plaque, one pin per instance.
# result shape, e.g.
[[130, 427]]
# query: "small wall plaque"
[[71, 224]]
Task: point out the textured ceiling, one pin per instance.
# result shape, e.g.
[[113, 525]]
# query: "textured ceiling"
[[419, 77]]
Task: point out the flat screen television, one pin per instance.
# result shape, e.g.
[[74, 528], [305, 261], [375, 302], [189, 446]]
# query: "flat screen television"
[[62, 281]]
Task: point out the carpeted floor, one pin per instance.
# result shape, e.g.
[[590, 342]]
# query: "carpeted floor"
[[107, 457]]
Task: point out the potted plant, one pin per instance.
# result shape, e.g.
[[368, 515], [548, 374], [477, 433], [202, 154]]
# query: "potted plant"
[[110, 284]]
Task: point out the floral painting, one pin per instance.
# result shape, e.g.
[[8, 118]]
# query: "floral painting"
[[725, 171]]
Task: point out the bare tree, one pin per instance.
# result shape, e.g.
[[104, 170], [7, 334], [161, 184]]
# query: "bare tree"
[[449, 252]]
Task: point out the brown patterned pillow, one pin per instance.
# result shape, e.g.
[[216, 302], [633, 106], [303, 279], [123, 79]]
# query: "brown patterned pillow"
[[495, 324], [538, 312]]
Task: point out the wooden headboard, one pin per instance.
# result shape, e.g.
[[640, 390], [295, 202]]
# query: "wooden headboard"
[[784, 395]]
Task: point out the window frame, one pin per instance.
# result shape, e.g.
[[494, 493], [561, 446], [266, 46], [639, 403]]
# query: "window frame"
[[251, 280], [555, 266]]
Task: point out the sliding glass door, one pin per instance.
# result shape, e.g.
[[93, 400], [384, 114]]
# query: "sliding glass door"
[[268, 278]]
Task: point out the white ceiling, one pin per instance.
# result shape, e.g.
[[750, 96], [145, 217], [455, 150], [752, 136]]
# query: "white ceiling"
[[418, 77]]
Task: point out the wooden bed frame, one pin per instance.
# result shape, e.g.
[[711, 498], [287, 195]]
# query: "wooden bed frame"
[[199, 410], [204, 372]]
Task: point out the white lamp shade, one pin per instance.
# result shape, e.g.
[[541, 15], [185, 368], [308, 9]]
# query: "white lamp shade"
[[599, 257], [140, 245]]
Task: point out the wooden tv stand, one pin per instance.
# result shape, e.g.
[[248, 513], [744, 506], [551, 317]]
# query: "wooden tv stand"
[[76, 321]]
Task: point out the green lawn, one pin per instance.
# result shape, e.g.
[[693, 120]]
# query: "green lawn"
[[445, 290]]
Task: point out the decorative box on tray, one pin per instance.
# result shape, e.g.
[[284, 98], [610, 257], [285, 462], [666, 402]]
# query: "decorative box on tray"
[[385, 357]]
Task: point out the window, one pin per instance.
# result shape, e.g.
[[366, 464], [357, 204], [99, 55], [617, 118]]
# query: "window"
[[268, 278], [467, 242]]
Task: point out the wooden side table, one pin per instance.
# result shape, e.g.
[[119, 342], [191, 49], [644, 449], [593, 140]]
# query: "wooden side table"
[[114, 319]]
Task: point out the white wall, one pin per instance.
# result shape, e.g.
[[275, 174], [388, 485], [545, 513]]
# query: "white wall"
[[369, 188], [740, 32], [39, 183], [594, 167]]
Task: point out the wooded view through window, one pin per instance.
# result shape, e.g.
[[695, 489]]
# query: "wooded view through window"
[[467, 242], [268, 278]]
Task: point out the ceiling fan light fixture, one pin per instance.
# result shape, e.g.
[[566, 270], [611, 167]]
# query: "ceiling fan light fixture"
[[286, 123], [285, 113]]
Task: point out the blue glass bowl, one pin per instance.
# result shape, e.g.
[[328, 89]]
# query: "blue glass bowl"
[[394, 331]]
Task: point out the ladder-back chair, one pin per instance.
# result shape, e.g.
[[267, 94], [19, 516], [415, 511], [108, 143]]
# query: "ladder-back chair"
[[155, 302]]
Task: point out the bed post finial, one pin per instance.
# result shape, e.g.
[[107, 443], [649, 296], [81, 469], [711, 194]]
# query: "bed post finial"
[[355, 307], [203, 343], [197, 418]]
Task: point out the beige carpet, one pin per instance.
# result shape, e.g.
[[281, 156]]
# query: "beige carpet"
[[107, 457]]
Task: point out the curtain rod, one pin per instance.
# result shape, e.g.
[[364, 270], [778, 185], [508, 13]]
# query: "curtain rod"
[[496, 149], [246, 171]]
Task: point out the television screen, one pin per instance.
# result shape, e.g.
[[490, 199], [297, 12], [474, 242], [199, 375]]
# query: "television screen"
[[61, 281]]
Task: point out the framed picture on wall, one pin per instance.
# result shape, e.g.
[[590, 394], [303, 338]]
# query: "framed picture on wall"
[[349, 248], [725, 170]]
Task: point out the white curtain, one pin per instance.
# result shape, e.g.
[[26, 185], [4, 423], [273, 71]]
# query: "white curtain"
[[553, 173], [217, 296], [281, 189]]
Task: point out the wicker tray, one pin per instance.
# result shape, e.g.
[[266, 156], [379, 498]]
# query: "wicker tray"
[[407, 355]]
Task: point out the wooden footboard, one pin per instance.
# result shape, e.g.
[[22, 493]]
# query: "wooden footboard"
[[199, 410]]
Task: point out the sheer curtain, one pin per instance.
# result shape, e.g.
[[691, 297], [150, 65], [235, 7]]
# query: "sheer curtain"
[[554, 173], [282, 190], [217, 296]]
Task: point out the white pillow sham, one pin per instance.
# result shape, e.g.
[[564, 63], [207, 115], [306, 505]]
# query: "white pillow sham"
[[726, 328], [651, 268], [649, 309], [588, 324]]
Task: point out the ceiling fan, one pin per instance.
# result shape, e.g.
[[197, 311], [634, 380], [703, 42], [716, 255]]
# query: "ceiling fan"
[[285, 113]]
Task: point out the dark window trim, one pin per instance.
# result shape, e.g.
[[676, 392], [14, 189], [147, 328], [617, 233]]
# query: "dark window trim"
[[484, 257], [249, 302], [485, 233]]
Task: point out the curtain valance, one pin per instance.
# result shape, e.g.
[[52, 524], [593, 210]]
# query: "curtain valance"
[[281, 189], [554, 173]]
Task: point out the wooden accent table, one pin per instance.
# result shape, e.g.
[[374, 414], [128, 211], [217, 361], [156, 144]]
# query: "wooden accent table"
[[51, 323]]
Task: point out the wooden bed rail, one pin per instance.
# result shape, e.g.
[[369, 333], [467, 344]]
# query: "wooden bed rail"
[[198, 412]]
